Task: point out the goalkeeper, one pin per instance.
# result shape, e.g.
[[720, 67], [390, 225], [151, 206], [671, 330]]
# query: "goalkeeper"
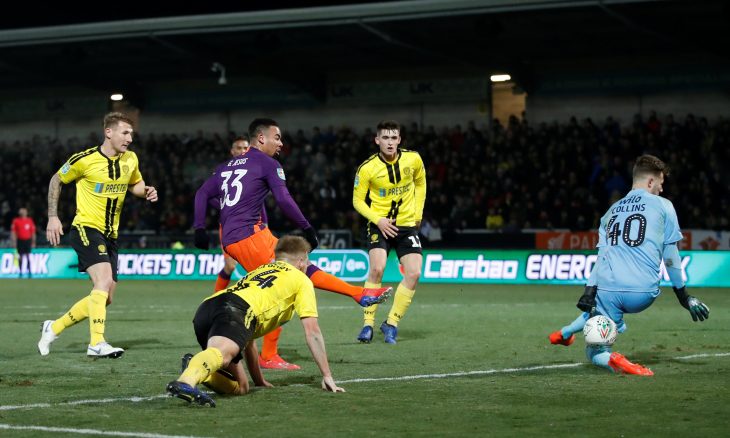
[[635, 234]]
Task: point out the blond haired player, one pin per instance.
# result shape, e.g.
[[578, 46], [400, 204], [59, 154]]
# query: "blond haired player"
[[103, 175], [228, 321]]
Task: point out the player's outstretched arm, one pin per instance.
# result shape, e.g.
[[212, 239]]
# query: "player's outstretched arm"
[[310, 234], [697, 309], [315, 342], [587, 301], [54, 229]]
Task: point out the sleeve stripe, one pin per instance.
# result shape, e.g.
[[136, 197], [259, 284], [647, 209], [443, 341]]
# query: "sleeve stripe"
[[365, 162], [76, 157]]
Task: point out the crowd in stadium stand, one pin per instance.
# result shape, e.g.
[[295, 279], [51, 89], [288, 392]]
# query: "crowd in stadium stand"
[[561, 175]]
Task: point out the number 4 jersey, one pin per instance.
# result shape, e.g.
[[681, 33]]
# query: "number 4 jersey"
[[631, 238], [240, 186]]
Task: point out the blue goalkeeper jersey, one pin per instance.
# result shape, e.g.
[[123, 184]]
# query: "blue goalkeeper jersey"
[[632, 236]]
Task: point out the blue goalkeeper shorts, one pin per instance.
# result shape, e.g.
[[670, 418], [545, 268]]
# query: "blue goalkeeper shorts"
[[615, 304]]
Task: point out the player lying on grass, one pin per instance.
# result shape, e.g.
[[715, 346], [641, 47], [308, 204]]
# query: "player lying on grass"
[[635, 234], [227, 323]]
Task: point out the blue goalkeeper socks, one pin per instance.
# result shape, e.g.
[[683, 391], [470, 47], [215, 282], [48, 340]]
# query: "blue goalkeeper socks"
[[599, 355], [575, 326]]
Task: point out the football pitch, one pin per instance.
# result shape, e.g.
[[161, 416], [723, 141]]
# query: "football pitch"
[[471, 360]]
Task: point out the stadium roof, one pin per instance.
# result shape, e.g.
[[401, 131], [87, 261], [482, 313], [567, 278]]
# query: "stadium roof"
[[101, 50]]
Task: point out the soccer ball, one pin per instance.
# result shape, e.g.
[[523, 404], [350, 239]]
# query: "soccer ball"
[[600, 330]]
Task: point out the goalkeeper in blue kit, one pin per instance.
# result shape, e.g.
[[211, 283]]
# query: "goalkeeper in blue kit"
[[635, 235]]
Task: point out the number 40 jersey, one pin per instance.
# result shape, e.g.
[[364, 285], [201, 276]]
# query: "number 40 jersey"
[[631, 238], [239, 187]]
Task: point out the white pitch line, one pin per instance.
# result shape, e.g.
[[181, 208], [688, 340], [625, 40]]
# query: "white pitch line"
[[465, 373], [91, 431], [374, 379], [693, 356], [81, 402]]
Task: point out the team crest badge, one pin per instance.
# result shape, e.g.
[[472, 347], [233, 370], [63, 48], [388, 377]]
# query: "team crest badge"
[[280, 172], [125, 169], [374, 238], [102, 249], [66, 167], [407, 171]]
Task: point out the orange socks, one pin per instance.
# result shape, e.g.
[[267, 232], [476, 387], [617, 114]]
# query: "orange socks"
[[222, 281], [270, 344], [329, 282]]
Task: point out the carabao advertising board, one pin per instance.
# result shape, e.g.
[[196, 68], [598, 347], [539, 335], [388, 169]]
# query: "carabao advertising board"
[[699, 268]]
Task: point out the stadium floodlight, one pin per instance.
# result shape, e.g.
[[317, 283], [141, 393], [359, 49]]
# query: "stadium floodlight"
[[500, 78], [116, 96], [220, 68]]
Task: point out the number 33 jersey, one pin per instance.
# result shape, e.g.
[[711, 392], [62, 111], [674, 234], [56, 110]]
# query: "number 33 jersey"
[[632, 236], [239, 187]]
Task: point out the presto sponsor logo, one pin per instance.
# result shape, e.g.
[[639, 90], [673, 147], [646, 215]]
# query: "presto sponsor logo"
[[437, 266], [348, 265]]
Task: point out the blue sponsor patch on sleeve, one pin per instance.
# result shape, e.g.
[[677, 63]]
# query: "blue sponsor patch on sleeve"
[[357, 180], [280, 172], [66, 167]]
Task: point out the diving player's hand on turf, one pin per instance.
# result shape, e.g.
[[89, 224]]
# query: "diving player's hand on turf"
[[387, 227], [264, 384], [202, 241], [150, 193], [697, 308], [54, 230], [328, 384]]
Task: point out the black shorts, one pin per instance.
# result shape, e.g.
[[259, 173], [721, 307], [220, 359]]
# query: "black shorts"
[[23, 246], [93, 247], [406, 242], [224, 315]]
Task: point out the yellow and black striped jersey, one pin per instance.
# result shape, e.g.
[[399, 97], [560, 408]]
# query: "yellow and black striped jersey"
[[274, 292], [394, 190], [101, 185]]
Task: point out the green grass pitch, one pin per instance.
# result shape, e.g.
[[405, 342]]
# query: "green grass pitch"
[[478, 357]]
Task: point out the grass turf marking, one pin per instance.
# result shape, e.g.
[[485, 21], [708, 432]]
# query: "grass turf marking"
[[91, 431]]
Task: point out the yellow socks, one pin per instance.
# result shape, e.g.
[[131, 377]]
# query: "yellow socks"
[[201, 366], [77, 313], [221, 384], [97, 315], [402, 300], [369, 312]]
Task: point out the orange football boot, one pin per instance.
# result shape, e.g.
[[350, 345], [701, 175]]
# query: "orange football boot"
[[619, 363], [556, 338]]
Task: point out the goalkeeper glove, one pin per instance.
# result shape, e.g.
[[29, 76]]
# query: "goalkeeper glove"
[[202, 240], [697, 308], [311, 235], [587, 301]]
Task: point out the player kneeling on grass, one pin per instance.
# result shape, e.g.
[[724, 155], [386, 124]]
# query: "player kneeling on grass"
[[636, 233], [227, 323]]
